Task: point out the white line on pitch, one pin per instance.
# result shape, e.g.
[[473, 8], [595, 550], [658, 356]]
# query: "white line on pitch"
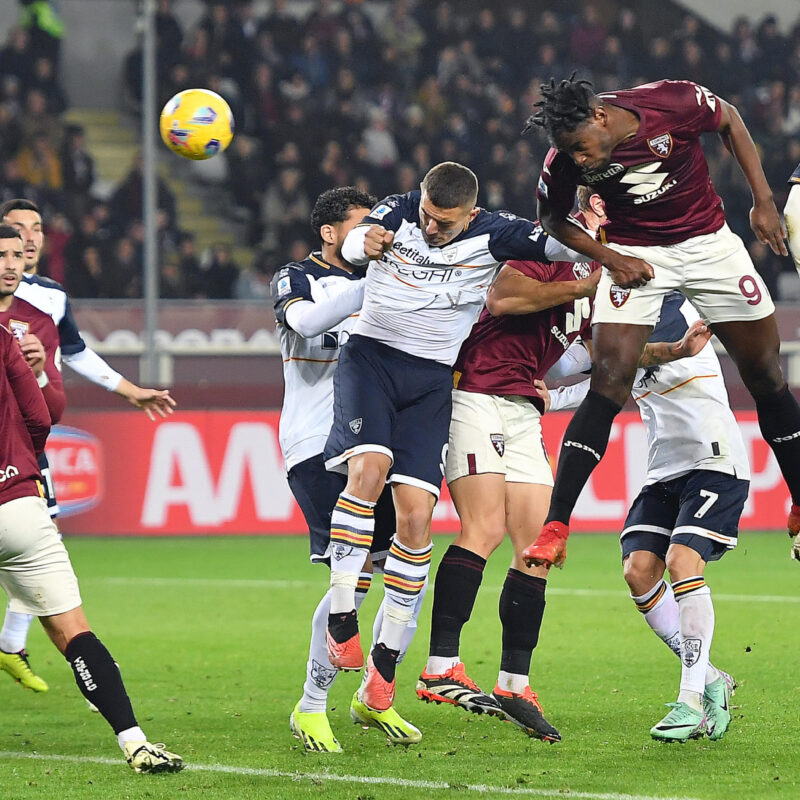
[[480, 788], [267, 583]]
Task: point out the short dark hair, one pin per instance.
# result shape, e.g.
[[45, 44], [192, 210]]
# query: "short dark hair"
[[9, 232], [334, 205], [564, 107], [18, 204], [584, 193], [450, 185]]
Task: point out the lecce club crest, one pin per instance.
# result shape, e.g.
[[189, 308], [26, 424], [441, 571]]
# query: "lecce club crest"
[[661, 145]]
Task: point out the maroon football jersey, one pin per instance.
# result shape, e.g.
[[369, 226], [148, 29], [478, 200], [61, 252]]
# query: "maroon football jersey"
[[24, 423], [657, 189], [504, 355], [21, 318]]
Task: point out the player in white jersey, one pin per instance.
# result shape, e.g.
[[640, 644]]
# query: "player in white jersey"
[[49, 296], [791, 214], [434, 255], [316, 305], [686, 515]]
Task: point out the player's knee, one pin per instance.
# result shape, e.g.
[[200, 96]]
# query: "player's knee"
[[762, 374], [641, 574], [612, 379], [414, 526], [482, 539], [365, 480]]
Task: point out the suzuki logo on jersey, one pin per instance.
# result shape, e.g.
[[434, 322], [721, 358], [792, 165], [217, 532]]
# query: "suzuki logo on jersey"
[[661, 145], [355, 425], [9, 472], [646, 183]]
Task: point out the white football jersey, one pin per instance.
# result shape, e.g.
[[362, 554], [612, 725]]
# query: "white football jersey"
[[308, 364], [684, 406], [422, 299]]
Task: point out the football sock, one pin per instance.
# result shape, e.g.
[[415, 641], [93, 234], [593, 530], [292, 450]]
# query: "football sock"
[[404, 574], [135, 734], [779, 420], [696, 614], [320, 673], [660, 611], [352, 527], [385, 661], [15, 631], [522, 603], [411, 628], [456, 585], [100, 681], [512, 682], [584, 444]]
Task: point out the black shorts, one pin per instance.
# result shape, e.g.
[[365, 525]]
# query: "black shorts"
[[387, 401], [317, 490], [700, 510]]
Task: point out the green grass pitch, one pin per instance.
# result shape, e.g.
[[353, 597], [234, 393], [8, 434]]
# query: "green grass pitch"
[[211, 635]]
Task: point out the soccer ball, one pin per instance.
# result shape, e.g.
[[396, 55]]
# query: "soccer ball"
[[196, 124]]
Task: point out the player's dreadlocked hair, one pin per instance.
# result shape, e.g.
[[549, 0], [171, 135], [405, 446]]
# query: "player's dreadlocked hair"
[[333, 205], [564, 106]]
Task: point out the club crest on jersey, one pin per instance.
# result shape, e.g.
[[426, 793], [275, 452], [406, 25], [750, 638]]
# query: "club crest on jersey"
[[340, 551], [498, 442], [661, 145], [580, 269], [618, 295], [450, 256], [355, 425], [19, 328], [690, 651]]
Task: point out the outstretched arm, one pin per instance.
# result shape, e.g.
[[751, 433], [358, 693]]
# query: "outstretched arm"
[[693, 341], [764, 218]]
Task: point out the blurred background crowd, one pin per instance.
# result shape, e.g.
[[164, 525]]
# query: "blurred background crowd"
[[369, 93]]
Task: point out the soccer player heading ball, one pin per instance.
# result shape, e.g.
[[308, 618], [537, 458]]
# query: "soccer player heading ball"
[[639, 149]]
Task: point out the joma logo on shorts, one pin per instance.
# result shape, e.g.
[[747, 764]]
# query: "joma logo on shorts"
[[9, 472]]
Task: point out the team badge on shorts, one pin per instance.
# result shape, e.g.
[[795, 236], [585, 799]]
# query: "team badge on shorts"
[[661, 145], [355, 425], [618, 295], [498, 442], [690, 651]]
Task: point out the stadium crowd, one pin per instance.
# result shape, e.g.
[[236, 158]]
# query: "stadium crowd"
[[372, 94]]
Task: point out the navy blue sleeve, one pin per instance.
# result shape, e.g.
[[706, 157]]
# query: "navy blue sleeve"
[[289, 285], [69, 336], [516, 238], [671, 323], [392, 210]]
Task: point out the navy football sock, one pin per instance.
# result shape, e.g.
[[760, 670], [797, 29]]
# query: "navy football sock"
[[779, 420]]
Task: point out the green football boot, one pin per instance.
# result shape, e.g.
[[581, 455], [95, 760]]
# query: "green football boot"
[[682, 723], [716, 704], [314, 731], [17, 666], [398, 730]]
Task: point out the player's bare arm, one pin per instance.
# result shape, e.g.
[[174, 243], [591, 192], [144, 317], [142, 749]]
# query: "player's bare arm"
[[515, 293], [764, 218], [628, 272], [151, 401], [692, 342]]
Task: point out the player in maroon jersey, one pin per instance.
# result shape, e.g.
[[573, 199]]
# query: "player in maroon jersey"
[[499, 474], [639, 149], [791, 213], [35, 570]]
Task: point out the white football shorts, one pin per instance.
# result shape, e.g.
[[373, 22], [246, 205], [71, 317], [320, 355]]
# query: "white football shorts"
[[489, 433], [35, 569], [713, 270]]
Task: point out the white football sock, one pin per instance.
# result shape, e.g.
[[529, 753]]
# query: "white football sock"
[[15, 631], [697, 631]]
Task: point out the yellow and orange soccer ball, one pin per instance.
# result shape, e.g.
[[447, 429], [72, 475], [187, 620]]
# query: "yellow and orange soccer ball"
[[196, 124]]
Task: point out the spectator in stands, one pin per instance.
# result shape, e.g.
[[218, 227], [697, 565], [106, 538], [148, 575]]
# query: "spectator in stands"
[[78, 171], [39, 165], [44, 26], [43, 78], [15, 57], [219, 272], [10, 131], [37, 119], [285, 208]]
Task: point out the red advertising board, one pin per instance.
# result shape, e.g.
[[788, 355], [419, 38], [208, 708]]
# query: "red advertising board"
[[220, 472]]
